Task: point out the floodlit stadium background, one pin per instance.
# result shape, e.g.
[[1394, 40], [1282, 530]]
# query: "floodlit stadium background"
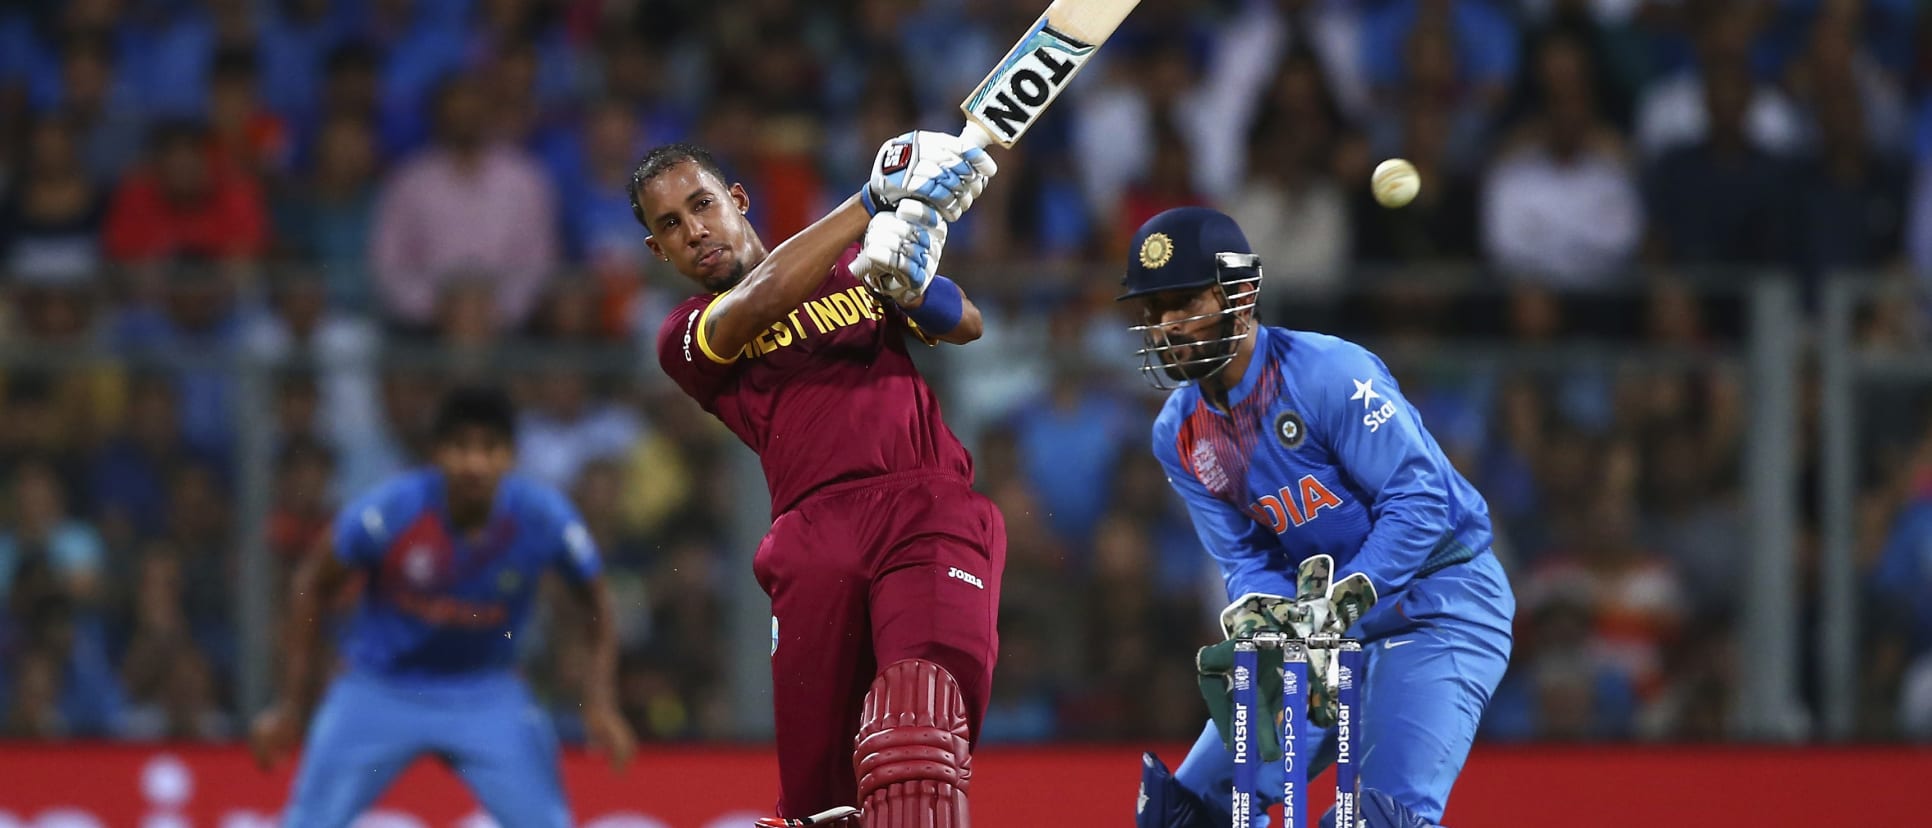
[[1661, 298]]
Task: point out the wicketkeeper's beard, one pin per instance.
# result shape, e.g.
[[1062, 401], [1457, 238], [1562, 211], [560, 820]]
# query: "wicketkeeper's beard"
[[1191, 360]]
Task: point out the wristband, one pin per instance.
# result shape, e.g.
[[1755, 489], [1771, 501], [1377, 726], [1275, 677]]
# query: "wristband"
[[870, 203], [942, 309]]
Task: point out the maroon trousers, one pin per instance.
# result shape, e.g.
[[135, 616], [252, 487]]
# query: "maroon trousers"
[[860, 575]]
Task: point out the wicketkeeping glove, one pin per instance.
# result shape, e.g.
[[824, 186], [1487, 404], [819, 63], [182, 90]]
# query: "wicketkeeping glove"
[[1318, 608], [941, 170], [901, 250], [1214, 668]]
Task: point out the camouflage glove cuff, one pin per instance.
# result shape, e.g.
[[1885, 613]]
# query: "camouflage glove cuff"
[[1215, 668]]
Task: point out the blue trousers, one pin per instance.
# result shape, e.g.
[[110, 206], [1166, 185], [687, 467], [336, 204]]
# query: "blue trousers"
[[1430, 673], [488, 728]]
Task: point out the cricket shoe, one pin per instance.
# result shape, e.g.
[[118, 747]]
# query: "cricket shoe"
[[844, 816]]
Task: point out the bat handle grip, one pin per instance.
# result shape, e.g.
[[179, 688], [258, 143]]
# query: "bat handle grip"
[[976, 135]]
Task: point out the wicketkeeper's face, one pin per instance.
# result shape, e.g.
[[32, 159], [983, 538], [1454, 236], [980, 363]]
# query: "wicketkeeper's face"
[[698, 224], [1193, 327]]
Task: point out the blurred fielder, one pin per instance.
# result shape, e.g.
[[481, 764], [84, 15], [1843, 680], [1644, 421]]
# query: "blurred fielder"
[[1295, 452], [453, 555], [882, 563]]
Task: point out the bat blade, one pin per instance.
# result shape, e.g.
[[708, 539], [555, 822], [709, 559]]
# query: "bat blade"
[[1025, 82]]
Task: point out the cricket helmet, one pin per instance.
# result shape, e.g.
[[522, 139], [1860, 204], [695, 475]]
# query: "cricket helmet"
[[1191, 249]]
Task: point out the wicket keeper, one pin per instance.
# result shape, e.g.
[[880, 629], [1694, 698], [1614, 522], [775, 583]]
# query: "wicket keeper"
[[1288, 445], [453, 555], [882, 563]]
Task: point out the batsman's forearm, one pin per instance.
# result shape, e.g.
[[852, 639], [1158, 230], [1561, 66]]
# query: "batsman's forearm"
[[789, 275]]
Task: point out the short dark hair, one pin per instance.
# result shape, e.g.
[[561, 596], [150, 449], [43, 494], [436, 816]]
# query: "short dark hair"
[[663, 158], [237, 63], [482, 406]]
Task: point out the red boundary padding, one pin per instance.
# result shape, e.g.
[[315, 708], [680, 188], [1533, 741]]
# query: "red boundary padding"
[[1575, 787]]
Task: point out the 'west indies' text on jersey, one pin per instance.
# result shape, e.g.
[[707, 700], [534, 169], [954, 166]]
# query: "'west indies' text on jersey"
[[827, 394]]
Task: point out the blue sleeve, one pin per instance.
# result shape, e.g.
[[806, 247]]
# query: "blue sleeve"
[[1897, 572], [362, 530], [1241, 546], [1378, 439], [576, 551]]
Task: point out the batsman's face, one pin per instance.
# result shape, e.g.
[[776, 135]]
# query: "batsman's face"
[[1194, 327], [698, 224], [474, 460]]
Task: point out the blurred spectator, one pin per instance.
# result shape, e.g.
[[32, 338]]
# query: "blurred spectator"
[[1070, 442], [245, 133], [33, 709], [104, 110], [1128, 122], [166, 51], [304, 507], [565, 427], [350, 91], [200, 317], [66, 411], [50, 221], [1477, 41], [1440, 224], [463, 209], [1635, 597], [1718, 200], [1853, 211], [295, 41], [184, 203], [1289, 207], [1563, 156], [1164, 186], [199, 527], [302, 328], [1688, 520], [325, 221], [1900, 585], [42, 531], [1677, 112], [187, 709], [127, 480], [85, 693], [599, 229]]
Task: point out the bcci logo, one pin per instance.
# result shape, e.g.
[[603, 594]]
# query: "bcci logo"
[[1156, 250], [1289, 429]]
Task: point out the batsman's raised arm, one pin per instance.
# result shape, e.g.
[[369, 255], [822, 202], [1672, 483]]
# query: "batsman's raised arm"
[[698, 223]]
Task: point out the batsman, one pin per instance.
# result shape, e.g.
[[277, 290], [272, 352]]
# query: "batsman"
[[1331, 510]]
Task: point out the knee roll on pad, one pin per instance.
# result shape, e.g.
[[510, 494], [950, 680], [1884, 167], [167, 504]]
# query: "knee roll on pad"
[[913, 759]]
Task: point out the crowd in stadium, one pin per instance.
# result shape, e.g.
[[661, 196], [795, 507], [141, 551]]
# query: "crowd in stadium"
[[326, 183]]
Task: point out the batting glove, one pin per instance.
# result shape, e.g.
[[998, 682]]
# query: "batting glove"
[[936, 168], [900, 254]]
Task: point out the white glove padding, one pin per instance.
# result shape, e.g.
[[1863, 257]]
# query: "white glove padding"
[[933, 167], [900, 254]]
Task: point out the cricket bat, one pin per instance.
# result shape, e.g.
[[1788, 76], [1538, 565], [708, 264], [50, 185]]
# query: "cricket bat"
[[1018, 90]]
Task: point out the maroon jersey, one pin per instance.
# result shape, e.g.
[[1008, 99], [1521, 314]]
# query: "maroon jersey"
[[827, 394]]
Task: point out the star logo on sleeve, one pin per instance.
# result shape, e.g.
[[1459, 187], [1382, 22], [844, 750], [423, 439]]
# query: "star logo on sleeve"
[[1365, 391]]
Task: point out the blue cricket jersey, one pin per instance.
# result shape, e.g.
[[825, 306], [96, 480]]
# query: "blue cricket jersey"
[[1318, 454], [441, 605]]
